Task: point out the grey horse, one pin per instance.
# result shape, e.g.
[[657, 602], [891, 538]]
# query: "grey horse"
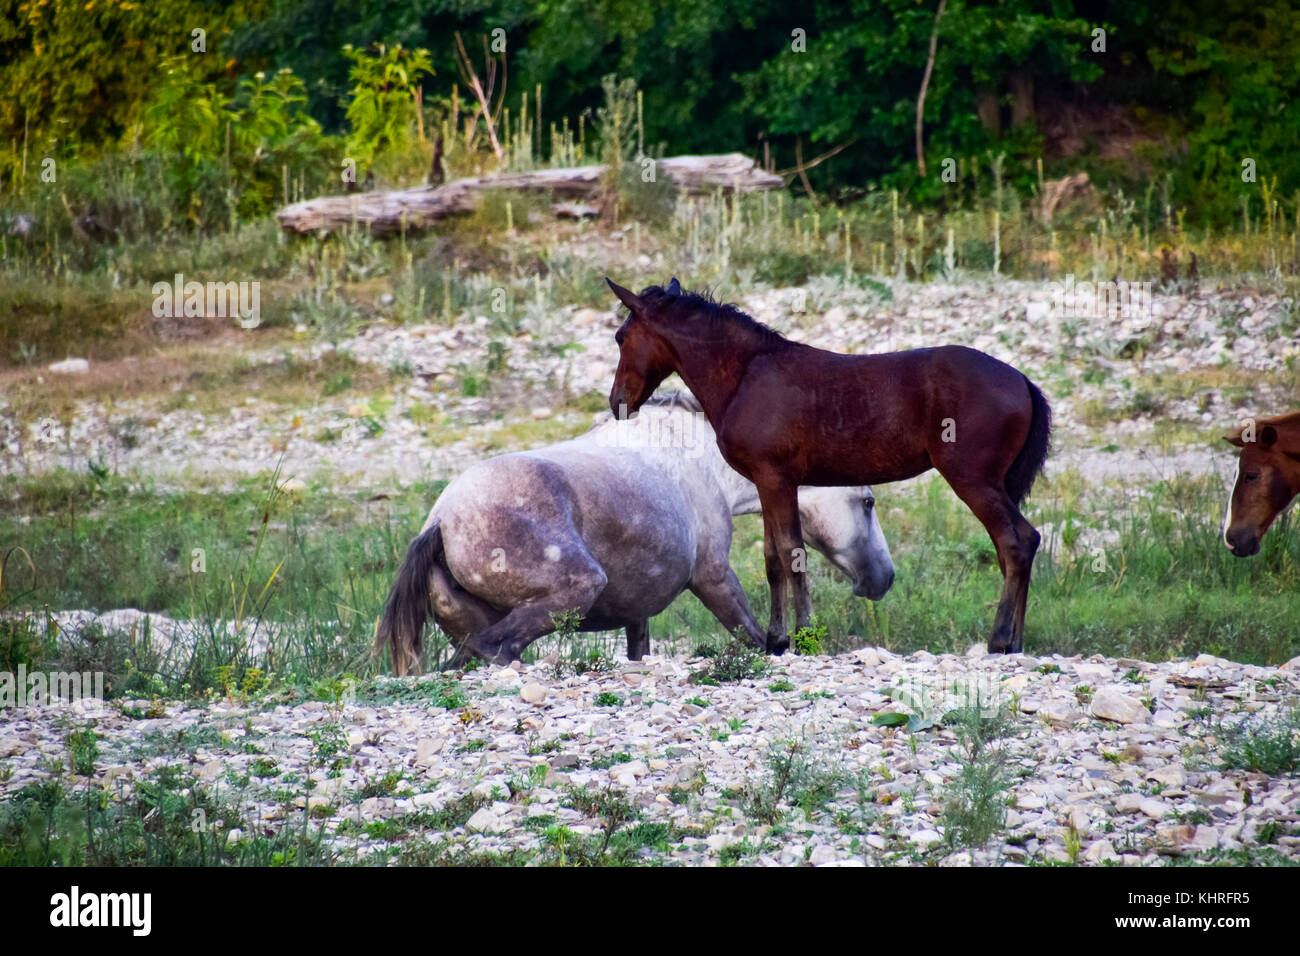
[[613, 524]]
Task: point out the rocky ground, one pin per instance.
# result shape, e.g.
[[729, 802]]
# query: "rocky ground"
[[1228, 342], [1107, 761], [1113, 762]]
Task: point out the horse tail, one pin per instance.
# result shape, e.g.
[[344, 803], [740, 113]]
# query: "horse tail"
[[402, 626], [1029, 463]]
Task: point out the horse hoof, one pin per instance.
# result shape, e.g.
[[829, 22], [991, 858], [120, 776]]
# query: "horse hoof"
[[778, 646]]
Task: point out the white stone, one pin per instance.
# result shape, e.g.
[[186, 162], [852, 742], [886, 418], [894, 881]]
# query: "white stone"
[[1155, 809], [485, 821], [1100, 851], [1169, 776], [72, 366], [926, 837], [1110, 703]]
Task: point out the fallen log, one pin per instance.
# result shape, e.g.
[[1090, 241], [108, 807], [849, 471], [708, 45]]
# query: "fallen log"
[[387, 213]]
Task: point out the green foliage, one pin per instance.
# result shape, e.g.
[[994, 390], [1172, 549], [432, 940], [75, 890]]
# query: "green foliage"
[[810, 639], [796, 775], [168, 819], [713, 79], [1271, 748], [234, 157], [83, 749], [78, 72], [975, 805], [736, 660], [383, 108]]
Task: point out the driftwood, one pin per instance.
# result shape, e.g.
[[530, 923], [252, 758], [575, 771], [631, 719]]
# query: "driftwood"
[[386, 213], [1060, 193]]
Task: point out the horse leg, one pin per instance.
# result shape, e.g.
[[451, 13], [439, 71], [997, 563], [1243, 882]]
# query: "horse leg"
[[1030, 537], [503, 642], [459, 614], [638, 639], [458, 660], [782, 549], [1016, 542], [719, 590]]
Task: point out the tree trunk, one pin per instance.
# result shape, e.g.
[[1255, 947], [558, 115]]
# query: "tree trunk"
[[387, 213], [986, 106], [1022, 96]]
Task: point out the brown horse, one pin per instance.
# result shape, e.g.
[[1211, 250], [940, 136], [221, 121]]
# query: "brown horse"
[[1268, 478], [786, 414]]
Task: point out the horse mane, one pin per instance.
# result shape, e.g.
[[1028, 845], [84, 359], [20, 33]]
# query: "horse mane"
[[674, 398], [716, 313], [668, 398]]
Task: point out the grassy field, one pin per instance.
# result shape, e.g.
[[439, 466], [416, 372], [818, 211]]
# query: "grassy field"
[[1129, 575]]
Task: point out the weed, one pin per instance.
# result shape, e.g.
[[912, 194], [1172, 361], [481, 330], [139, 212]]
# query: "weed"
[[1271, 747], [975, 806], [83, 749], [810, 639], [736, 660], [795, 776]]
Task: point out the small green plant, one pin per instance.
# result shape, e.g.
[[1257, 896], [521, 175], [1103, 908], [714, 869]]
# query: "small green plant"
[[605, 761], [383, 785], [1083, 694], [1073, 844], [606, 699], [975, 806], [780, 686], [809, 640], [1271, 747], [736, 660], [329, 747], [83, 748], [796, 776]]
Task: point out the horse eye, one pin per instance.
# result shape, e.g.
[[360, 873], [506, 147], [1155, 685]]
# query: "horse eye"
[[618, 337], [1251, 476], [868, 503]]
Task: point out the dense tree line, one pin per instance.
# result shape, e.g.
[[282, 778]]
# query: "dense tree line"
[[1184, 89]]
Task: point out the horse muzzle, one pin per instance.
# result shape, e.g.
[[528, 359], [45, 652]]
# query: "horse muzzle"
[[1242, 544], [621, 406], [875, 587]]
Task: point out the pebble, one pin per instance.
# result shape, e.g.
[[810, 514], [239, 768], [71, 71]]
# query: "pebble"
[[692, 765]]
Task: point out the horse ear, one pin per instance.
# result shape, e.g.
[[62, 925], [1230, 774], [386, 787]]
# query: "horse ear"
[[626, 296], [1267, 436], [1234, 440], [674, 287]]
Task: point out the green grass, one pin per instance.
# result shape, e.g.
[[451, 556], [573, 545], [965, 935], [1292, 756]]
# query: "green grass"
[[166, 820], [316, 582]]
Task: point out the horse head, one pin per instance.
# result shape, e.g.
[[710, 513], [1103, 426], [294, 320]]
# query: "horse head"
[[841, 523], [645, 359], [1268, 477]]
